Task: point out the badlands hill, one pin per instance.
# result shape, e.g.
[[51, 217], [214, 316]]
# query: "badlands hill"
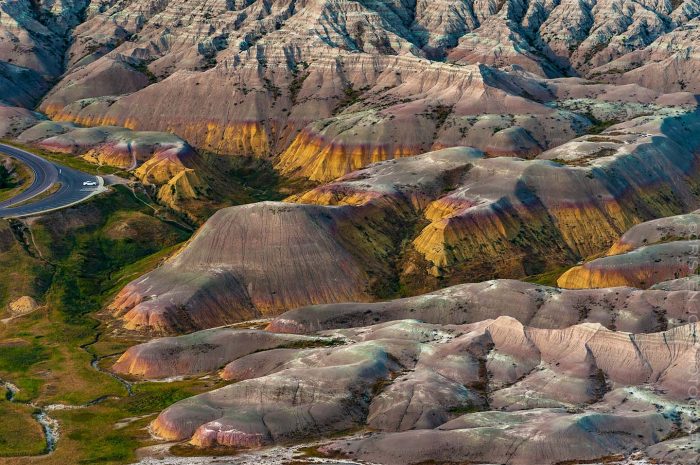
[[421, 222], [467, 391]]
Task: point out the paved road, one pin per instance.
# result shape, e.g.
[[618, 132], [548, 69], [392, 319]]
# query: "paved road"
[[47, 173]]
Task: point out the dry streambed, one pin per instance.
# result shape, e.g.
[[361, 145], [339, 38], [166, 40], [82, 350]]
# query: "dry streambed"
[[49, 425]]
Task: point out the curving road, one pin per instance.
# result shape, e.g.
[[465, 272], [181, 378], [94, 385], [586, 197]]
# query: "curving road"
[[46, 173]]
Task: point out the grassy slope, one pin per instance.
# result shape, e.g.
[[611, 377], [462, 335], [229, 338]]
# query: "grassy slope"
[[236, 181], [86, 261], [22, 274], [20, 434]]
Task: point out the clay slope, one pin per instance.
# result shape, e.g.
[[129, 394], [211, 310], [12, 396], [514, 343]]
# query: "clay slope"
[[647, 254], [115, 146], [202, 352], [246, 262], [450, 214], [510, 216], [324, 120], [672, 228], [580, 393], [620, 308], [669, 305], [334, 115], [14, 120]]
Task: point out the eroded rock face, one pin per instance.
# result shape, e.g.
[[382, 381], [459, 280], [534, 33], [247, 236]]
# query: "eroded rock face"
[[669, 63], [33, 38], [157, 159], [328, 87], [621, 308], [648, 254], [579, 385], [530, 34]]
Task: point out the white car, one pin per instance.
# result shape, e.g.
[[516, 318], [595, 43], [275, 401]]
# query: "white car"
[[89, 183]]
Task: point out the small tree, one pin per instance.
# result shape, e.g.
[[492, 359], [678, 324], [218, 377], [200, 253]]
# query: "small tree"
[[5, 177]]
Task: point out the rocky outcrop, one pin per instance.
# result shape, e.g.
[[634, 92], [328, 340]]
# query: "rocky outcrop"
[[647, 254], [22, 305], [411, 380], [621, 308]]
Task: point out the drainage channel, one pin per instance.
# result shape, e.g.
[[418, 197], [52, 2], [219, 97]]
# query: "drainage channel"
[[50, 425]]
